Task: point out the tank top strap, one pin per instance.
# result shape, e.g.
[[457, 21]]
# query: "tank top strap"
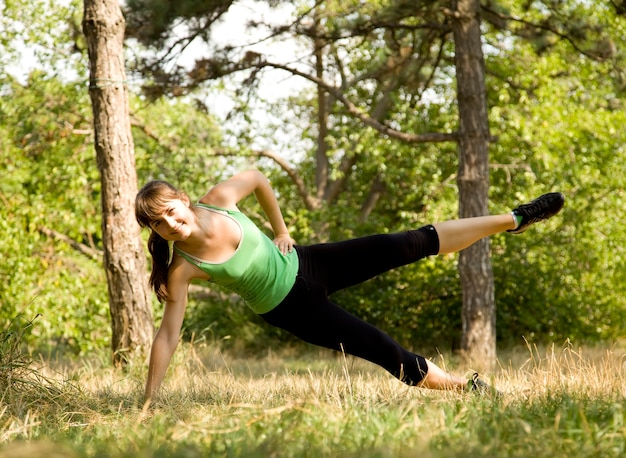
[[215, 207], [192, 259]]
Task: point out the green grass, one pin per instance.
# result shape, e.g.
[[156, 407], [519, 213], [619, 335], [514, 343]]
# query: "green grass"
[[559, 402]]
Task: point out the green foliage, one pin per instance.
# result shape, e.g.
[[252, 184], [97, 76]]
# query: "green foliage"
[[153, 19], [557, 118], [51, 178], [556, 107], [176, 142], [558, 125], [54, 44]]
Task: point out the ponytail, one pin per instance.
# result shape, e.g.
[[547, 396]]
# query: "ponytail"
[[160, 251]]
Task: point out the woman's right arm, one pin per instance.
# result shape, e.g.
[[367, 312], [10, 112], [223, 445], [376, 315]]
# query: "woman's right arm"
[[166, 338]]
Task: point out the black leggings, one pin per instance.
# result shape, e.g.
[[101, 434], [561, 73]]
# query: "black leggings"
[[307, 312]]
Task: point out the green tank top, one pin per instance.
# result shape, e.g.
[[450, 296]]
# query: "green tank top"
[[257, 271]]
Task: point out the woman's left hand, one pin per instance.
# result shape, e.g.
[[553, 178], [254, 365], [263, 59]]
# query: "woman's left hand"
[[284, 243]]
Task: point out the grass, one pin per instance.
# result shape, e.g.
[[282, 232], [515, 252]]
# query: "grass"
[[560, 401]]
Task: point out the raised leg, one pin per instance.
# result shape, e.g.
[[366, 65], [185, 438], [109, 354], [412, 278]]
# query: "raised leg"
[[455, 235]]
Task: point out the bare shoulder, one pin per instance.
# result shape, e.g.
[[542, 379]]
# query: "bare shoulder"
[[228, 193], [181, 272], [219, 196]]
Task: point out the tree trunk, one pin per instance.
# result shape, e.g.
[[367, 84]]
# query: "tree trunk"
[[322, 162], [478, 340], [124, 257]]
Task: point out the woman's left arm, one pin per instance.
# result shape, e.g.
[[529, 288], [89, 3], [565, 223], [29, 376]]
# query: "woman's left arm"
[[228, 193]]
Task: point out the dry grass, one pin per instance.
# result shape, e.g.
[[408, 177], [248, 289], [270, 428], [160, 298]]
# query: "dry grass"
[[559, 400], [589, 371]]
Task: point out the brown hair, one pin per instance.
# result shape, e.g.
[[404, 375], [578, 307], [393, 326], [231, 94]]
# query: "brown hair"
[[150, 203]]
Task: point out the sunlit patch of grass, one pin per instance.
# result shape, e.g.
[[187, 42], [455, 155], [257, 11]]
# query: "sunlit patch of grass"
[[28, 393], [558, 400]]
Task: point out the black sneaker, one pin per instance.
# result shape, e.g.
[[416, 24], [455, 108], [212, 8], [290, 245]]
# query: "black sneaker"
[[481, 388], [543, 207]]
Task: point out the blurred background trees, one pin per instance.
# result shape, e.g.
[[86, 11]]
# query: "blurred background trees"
[[555, 91]]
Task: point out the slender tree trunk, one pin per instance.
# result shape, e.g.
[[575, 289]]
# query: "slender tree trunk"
[[478, 313], [322, 162], [124, 258]]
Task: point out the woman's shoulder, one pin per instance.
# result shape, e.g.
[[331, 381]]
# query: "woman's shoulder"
[[182, 271], [217, 208], [219, 198]]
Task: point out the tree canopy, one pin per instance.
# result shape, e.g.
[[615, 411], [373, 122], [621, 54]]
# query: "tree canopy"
[[555, 88]]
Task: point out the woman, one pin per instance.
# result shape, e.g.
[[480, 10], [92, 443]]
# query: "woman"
[[288, 285]]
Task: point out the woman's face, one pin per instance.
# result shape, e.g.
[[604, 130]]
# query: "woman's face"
[[173, 222]]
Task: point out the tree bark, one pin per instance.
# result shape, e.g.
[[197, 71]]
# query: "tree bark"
[[478, 339], [322, 162], [124, 257]]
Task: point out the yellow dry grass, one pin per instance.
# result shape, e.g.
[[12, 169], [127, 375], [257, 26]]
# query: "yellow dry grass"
[[217, 400]]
